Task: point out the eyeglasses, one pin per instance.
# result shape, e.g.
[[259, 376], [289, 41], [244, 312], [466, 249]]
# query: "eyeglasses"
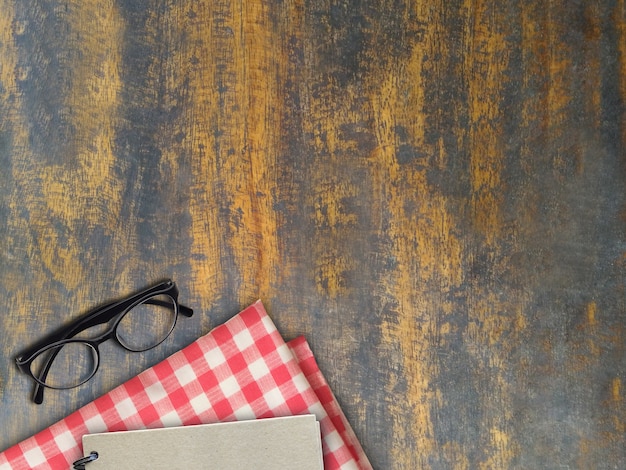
[[139, 322]]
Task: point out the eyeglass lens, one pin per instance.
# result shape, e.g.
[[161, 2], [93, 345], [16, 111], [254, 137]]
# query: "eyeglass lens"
[[148, 324], [70, 364]]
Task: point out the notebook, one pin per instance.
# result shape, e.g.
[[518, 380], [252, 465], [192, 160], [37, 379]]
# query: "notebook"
[[241, 370], [264, 444]]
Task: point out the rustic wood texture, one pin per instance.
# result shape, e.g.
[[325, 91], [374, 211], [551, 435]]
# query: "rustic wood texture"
[[432, 192]]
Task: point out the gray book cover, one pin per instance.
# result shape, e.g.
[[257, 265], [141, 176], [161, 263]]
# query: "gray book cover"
[[292, 442]]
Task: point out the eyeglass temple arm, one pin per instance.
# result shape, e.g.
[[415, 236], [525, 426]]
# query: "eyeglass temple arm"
[[95, 318], [38, 391], [186, 311]]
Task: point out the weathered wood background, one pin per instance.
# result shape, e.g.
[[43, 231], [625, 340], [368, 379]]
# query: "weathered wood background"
[[433, 192]]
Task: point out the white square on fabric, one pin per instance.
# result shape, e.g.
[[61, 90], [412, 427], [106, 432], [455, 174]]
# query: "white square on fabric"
[[244, 413], [301, 383], [171, 419], [215, 357], [258, 369], [351, 465], [229, 386], [96, 424], [268, 324], [65, 441], [243, 340], [156, 392], [185, 374], [200, 404], [34, 457], [333, 441], [274, 398], [285, 353], [318, 410], [126, 408]]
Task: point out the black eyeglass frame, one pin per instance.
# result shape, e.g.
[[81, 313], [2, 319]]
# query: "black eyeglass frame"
[[113, 312]]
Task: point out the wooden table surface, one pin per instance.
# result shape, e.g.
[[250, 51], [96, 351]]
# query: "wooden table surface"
[[432, 192]]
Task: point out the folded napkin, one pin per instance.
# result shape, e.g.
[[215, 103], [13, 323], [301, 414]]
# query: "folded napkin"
[[241, 370]]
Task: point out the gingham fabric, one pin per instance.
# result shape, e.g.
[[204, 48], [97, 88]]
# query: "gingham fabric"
[[313, 374], [241, 370]]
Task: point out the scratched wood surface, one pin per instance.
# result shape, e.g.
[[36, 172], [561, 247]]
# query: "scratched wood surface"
[[433, 192]]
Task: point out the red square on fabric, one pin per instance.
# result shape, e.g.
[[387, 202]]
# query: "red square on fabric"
[[296, 404], [223, 410], [134, 386], [208, 380], [163, 370], [252, 392], [222, 335], [237, 363], [59, 461], [281, 374], [251, 318], [265, 345], [178, 398], [45, 438], [326, 396], [149, 414], [193, 352]]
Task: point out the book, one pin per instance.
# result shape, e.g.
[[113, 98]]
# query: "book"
[[286, 443]]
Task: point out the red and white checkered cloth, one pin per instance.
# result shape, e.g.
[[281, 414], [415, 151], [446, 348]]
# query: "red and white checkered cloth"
[[241, 370]]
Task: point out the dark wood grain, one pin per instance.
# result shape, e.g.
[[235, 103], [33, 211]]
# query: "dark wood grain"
[[432, 192]]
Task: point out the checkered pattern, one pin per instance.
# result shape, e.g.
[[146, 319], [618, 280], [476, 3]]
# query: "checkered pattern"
[[308, 365], [240, 370]]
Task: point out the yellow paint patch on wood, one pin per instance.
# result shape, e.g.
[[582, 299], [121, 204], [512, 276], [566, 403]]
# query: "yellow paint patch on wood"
[[202, 115], [500, 456], [616, 390], [559, 67], [255, 144], [593, 82], [13, 124], [620, 22], [267, 70], [591, 313], [423, 242], [96, 84], [8, 64], [323, 122], [455, 456], [486, 61], [73, 197], [9, 93], [15, 129], [412, 414], [241, 134], [617, 403]]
